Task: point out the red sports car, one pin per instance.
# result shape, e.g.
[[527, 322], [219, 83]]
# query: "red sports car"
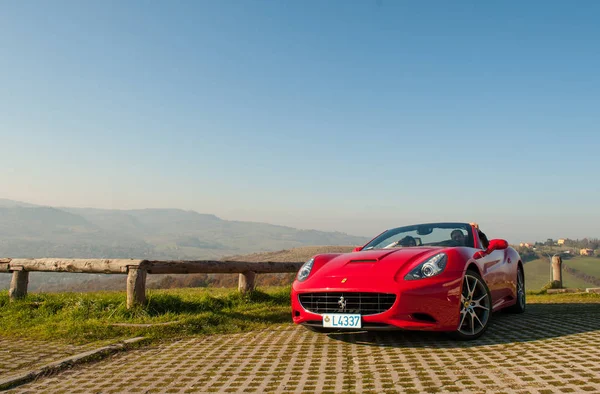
[[436, 276]]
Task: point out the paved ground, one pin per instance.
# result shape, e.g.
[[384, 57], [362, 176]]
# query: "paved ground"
[[550, 349], [18, 356]]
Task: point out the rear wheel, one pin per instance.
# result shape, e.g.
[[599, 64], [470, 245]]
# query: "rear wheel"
[[475, 308], [519, 307]]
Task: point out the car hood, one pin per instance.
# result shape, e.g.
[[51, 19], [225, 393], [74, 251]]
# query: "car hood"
[[373, 263]]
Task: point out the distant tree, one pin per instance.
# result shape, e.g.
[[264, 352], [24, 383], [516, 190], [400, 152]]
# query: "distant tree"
[[527, 254], [549, 242], [585, 243]]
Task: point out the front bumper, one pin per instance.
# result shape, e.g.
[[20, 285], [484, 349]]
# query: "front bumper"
[[431, 304]]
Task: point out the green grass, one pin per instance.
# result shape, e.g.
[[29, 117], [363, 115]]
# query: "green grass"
[[87, 317], [537, 274], [564, 298], [587, 265]]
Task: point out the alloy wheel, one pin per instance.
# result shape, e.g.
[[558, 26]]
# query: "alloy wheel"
[[475, 306]]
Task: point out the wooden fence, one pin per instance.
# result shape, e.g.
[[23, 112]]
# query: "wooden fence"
[[137, 270]]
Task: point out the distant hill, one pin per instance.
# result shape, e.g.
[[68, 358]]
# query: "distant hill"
[[11, 203], [30, 231], [291, 255]]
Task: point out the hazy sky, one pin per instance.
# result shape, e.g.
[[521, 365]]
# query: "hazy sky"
[[352, 115]]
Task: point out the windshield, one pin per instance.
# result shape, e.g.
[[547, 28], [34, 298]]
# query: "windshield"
[[435, 234]]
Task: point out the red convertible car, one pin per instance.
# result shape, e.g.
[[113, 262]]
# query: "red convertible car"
[[437, 276]]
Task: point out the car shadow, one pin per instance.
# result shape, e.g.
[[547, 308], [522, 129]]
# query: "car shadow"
[[540, 321]]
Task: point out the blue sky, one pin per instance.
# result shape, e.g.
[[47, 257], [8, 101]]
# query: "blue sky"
[[350, 116]]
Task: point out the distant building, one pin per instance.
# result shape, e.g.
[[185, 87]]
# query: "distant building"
[[526, 245], [586, 252], [561, 241]]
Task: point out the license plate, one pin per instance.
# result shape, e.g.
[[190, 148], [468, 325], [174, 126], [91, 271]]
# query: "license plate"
[[341, 320]]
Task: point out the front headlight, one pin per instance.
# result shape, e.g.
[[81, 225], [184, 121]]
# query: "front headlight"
[[431, 267], [305, 270]]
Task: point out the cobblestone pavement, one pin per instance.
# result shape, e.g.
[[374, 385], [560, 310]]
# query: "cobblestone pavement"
[[550, 349], [23, 355]]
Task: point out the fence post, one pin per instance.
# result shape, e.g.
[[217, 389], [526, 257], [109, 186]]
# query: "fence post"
[[246, 281], [557, 272], [18, 285], [136, 287]]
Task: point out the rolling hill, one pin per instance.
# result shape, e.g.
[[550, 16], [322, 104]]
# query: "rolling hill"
[[36, 231]]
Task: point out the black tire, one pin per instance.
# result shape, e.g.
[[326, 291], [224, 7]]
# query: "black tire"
[[521, 304], [475, 311]]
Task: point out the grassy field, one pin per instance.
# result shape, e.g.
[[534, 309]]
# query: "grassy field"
[[537, 273], [587, 265], [88, 317]]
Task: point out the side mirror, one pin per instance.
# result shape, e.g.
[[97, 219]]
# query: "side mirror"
[[495, 244], [357, 249]]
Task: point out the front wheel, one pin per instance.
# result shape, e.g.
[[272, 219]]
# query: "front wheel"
[[475, 308]]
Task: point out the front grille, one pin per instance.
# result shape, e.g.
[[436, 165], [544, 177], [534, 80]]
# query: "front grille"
[[363, 303]]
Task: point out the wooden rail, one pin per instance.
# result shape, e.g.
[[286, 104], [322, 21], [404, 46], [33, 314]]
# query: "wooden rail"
[[137, 270]]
